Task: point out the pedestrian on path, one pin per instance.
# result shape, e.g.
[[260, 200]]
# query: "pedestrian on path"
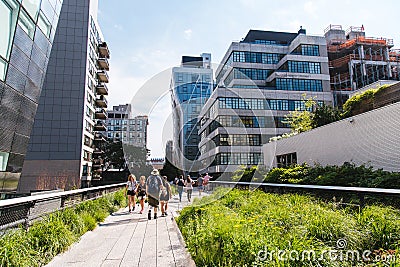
[[200, 184], [206, 179], [130, 191], [180, 184], [189, 187], [165, 196], [153, 187], [141, 192]]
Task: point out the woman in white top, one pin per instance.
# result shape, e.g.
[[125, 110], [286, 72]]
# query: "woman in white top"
[[131, 187], [189, 187]]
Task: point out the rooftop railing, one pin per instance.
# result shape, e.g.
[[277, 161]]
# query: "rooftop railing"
[[25, 210]]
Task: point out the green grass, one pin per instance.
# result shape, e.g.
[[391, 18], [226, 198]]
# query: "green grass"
[[230, 228], [56, 232]]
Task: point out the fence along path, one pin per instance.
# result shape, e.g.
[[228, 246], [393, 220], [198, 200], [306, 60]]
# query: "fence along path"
[[125, 239]]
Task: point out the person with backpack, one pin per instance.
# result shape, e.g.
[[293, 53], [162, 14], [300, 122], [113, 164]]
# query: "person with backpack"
[[165, 196], [131, 187], [180, 184], [141, 192], [189, 187], [153, 187]]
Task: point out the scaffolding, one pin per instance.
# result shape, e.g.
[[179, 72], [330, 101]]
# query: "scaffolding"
[[356, 60]]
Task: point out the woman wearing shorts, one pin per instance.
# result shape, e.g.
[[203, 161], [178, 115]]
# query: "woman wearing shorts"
[[141, 192], [131, 187]]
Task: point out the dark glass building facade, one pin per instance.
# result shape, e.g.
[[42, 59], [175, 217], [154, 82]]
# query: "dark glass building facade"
[[27, 32], [67, 137]]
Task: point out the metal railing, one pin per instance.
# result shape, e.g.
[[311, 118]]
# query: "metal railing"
[[25, 210], [333, 192]]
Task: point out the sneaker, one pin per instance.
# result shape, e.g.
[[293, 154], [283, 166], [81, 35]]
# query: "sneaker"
[[155, 215], [129, 210], [140, 212], [149, 216], [165, 214], [133, 208]]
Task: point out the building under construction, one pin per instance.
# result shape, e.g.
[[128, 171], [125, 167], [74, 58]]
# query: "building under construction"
[[356, 61]]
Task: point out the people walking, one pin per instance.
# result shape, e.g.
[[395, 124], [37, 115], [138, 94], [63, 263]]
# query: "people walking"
[[153, 187], [180, 184], [200, 184], [206, 179], [165, 196], [189, 187], [141, 192], [130, 191]]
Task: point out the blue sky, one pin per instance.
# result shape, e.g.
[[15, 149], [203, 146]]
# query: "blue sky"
[[148, 37]]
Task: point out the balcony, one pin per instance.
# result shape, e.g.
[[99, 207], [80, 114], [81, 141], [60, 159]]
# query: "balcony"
[[103, 64], [100, 126], [103, 50], [100, 114], [101, 102], [102, 76], [97, 151], [101, 89], [97, 163], [99, 137], [97, 169]]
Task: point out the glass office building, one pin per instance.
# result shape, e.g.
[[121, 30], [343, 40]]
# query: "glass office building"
[[27, 32], [259, 81], [191, 85], [67, 136]]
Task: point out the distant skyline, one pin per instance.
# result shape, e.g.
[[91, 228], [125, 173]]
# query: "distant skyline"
[[147, 38]]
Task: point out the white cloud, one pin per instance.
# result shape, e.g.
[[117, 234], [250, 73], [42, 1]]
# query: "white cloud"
[[310, 8], [188, 34], [118, 27]]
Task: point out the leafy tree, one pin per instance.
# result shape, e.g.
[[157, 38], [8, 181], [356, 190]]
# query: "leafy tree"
[[114, 155], [324, 114], [301, 121], [170, 170], [136, 159]]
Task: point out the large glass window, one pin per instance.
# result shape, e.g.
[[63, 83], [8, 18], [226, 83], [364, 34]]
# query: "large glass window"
[[45, 25], [26, 24], [32, 7], [299, 85], [304, 67], [8, 19], [3, 161], [3, 69]]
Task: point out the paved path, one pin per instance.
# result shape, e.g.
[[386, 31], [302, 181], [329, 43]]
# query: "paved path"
[[125, 239]]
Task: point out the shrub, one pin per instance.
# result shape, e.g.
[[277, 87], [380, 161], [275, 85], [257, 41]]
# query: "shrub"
[[56, 232], [229, 228]]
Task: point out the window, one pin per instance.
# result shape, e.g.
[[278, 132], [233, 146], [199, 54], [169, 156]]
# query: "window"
[[26, 24], [3, 69], [304, 67], [299, 85], [3, 161], [32, 7], [286, 160], [44, 24], [8, 20]]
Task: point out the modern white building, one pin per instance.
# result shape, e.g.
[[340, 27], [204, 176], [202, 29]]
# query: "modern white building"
[[260, 80], [370, 138], [121, 126]]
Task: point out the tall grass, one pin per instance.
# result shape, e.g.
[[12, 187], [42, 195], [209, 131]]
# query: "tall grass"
[[56, 232], [231, 228]]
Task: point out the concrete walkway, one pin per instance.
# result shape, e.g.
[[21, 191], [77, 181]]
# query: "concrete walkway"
[[130, 239]]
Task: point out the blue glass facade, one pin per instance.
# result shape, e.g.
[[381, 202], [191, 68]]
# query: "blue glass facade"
[[191, 87]]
